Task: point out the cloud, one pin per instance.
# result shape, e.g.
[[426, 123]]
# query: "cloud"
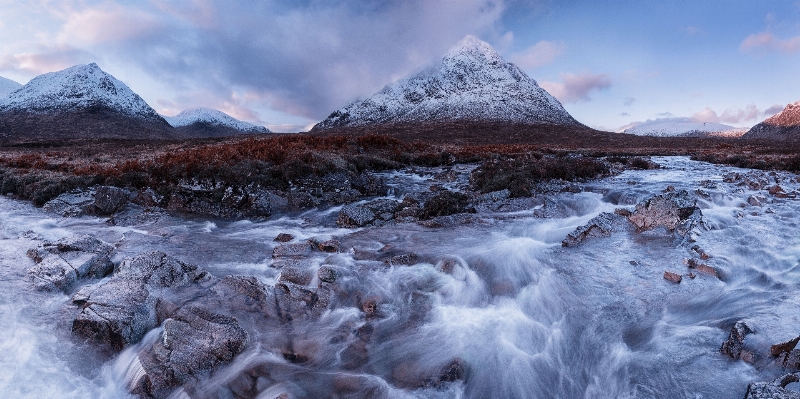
[[575, 88], [628, 101], [539, 54], [665, 114], [765, 42], [624, 114], [733, 115], [773, 110], [693, 31], [303, 59]]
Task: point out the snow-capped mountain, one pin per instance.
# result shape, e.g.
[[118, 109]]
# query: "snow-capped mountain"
[[7, 86], [681, 127], [204, 122], [82, 101], [784, 124], [471, 83], [77, 87]]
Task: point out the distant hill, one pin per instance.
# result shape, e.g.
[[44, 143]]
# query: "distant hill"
[[683, 127], [783, 125], [205, 122], [472, 83], [7, 86]]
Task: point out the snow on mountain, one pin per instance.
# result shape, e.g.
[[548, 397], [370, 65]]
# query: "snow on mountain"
[[471, 83], [7, 86], [76, 88], [676, 127], [784, 124], [213, 117]]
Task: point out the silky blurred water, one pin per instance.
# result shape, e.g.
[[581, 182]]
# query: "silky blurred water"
[[525, 316]]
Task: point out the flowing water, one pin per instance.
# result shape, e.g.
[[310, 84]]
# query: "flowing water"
[[523, 316]]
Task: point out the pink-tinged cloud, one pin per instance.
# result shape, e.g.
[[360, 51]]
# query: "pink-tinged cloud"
[[46, 60], [575, 88], [733, 115], [764, 42], [108, 23], [539, 54]]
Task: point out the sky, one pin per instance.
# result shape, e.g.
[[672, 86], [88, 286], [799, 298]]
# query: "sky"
[[289, 64]]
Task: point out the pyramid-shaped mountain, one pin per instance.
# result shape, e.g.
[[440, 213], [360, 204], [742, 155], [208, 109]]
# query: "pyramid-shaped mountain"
[[83, 102], [783, 125], [205, 122], [472, 83], [7, 86]]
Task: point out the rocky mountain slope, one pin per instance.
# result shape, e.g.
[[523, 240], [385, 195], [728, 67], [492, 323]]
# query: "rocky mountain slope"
[[7, 86], [784, 124], [82, 101], [683, 127], [471, 83], [205, 122]]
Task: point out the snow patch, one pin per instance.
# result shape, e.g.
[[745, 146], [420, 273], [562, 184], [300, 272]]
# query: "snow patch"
[[213, 117], [471, 83], [677, 127], [7, 86]]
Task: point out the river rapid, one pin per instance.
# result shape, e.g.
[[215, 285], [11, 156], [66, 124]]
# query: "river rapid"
[[518, 314]]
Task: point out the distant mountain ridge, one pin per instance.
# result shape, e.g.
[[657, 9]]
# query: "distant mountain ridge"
[[471, 83], [783, 125], [683, 127], [7, 86], [206, 122]]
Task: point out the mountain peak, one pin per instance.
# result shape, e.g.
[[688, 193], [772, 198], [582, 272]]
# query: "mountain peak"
[[784, 124], [471, 83], [7, 86], [76, 88]]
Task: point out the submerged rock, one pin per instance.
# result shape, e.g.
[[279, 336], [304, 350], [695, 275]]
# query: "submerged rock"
[[123, 309], [193, 343], [62, 263]]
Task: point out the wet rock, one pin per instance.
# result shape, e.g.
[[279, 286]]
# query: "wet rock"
[[600, 226], [673, 277], [409, 375], [370, 185], [303, 200], [773, 390], [787, 346], [756, 200], [147, 198], [63, 262], [402, 259], [330, 246], [777, 191], [735, 342], [494, 196], [193, 343], [375, 212], [790, 359], [72, 204], [109, 199], [297, 250], [295, 275], [123, 309], [297, 302], [449, 221], [284, 237], [445, 203], [327, 274], [670, 210]]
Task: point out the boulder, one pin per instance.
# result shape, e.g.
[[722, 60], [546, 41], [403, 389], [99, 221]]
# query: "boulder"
[[109, 199], [601, 225], [193, 343], [297, 250], [673, 277], [284, 237], [72, 204], [773, 390], [375, 212], [670, 210], [445, 203], [733, 346], [62, 263], [123, 309]]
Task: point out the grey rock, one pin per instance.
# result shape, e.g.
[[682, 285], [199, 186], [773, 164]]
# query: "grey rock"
[[61, 264], [297, 250], [109, 199], [72, 204], [773, 390], [355, 216], [601, 225], [123, 309], [193, 343]]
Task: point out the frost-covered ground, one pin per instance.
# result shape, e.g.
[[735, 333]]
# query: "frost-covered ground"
[[524, 316]]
